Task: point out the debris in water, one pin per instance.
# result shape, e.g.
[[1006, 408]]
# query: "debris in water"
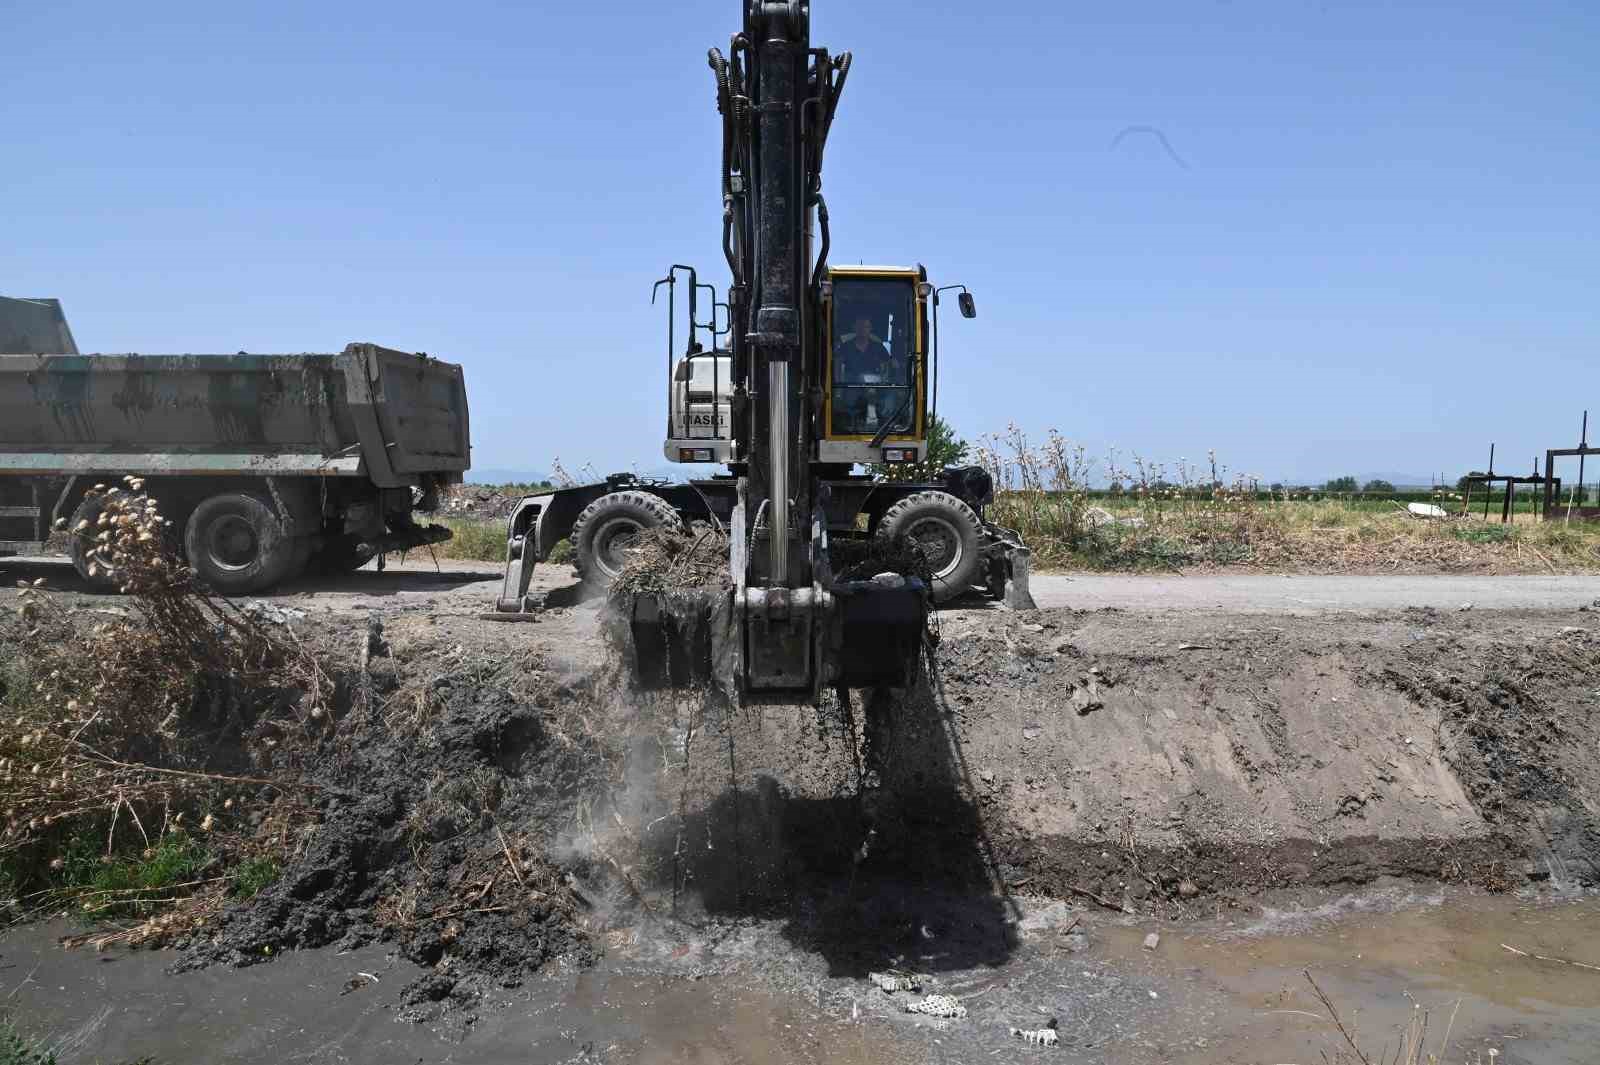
[[895, 980], [275, 615], [1152, 941], [946, 1006], [1041, 1037]]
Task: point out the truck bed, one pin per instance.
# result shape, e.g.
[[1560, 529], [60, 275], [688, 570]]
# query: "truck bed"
[[365, 412]]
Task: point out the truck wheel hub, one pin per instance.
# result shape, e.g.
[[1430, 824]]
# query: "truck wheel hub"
[[233, 542], [939, 543], [612, 544]]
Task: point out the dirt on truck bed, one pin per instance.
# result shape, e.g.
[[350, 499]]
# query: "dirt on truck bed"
[[493, 797]]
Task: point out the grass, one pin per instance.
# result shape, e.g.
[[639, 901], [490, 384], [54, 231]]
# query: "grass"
[[485, 541], [1202, 515], [254, 874], [474, 541], [129, 883], [18, 1049]]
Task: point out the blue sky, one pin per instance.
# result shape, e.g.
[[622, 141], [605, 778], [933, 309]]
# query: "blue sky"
[[1378, 213]]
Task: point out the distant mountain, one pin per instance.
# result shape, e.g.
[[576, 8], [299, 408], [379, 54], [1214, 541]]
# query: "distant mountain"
[[495, 475]]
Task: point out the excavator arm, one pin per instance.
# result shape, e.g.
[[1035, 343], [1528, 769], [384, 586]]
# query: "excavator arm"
[[788, 628]]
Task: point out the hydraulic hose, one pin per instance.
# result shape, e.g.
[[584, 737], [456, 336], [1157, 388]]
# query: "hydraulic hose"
[[822, 254]]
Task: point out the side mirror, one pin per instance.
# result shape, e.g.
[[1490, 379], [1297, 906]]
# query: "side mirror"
[[969, 309]]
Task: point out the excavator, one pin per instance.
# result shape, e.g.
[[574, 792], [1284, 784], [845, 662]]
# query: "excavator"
[[813, 371]]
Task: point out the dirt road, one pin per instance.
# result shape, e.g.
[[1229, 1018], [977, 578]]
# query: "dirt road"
[[1309, 594], [471, 587]]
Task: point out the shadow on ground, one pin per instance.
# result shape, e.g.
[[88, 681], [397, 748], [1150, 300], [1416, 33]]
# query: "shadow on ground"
[[895, 876]]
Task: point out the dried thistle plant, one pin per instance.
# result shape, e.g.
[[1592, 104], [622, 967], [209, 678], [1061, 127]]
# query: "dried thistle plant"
[[166, 722]]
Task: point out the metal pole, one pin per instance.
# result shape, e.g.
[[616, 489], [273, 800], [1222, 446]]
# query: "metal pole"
[[1488, 486], [1550, 499], [1583, 444]]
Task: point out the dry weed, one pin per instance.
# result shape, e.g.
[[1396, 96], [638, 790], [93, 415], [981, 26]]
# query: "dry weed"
[[1156, 517], [165, 722]]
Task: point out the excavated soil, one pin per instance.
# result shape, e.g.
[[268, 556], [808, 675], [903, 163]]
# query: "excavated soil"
[[1180, 765], [495, 800], [436, 820]]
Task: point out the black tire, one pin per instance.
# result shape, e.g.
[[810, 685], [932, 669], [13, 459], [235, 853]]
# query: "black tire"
[[949, 534], [237, 545], [340, 555], [82, 544], [601, 531]]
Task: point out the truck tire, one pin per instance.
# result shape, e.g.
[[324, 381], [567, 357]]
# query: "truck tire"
[[949, 534], [237, 545], [81, 544], [600, 534]]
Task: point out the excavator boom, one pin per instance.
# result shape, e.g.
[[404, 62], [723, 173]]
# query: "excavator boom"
[[788, 621]]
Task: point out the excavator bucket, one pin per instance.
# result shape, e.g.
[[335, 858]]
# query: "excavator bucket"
[[670, 638], [881, 632], [855, 634]]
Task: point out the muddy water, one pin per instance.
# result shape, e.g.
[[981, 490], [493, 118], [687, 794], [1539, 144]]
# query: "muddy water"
[[1215, 992], [1383, 958]]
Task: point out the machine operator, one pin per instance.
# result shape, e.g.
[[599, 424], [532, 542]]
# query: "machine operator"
[[868, 379]]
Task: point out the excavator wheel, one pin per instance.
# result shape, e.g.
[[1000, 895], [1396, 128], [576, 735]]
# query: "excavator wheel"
[[949, 534], [604, 528]]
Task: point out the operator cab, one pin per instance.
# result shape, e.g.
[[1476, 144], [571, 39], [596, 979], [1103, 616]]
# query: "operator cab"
[[876, 358], [875, 384], [699, 408]]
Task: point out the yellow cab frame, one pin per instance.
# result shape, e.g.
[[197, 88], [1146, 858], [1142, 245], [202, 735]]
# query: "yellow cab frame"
[[916, 282]]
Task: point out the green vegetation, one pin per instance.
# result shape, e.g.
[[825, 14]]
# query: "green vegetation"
[[1200, 514], [485, 541], [475, 541], [18, 1049], [128, 882], [1482, 533], [174, 860], [525, 488], [253, 874]]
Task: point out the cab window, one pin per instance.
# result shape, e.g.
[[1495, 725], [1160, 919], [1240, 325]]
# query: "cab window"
[[873, 341]]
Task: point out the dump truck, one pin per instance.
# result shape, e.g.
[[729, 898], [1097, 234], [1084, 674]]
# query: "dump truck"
[[265, 464], [813, 370]]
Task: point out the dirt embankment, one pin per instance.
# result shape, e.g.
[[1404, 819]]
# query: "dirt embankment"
[[491, 797], [1162, 760], [1171, 764]]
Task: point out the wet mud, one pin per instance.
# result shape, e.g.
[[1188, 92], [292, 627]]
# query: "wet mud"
[[1212, 991]]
